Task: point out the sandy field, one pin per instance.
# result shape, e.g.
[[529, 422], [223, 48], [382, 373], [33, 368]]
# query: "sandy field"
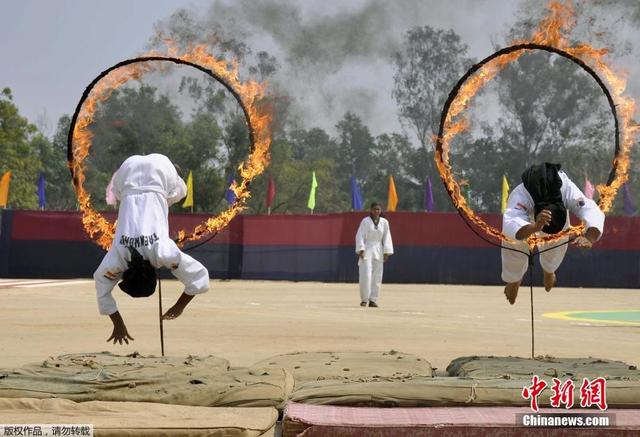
[[247, 321]]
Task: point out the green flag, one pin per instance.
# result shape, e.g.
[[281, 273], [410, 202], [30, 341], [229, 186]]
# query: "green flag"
[[311, 204]]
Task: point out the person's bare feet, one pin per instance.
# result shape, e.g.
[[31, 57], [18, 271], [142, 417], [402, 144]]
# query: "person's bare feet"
[[549, 280], [511, 291]]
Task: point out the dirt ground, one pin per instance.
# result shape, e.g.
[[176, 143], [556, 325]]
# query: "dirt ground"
[[247, 321]]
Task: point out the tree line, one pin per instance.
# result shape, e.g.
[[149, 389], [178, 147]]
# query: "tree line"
[[544, 108]]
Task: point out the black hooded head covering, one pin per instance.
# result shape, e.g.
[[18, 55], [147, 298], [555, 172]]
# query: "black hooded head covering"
[[543, 182], [139, 280]]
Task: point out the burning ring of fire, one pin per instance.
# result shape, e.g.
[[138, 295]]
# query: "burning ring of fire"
[[468, 86], [248, 94]]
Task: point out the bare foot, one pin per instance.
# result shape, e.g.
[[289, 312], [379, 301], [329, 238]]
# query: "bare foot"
[[511, 291], [549, 280]]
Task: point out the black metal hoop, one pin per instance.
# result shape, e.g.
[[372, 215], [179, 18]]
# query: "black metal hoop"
[[526, 46], [94, 82]]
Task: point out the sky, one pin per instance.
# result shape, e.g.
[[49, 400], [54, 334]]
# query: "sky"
[[52, 49]]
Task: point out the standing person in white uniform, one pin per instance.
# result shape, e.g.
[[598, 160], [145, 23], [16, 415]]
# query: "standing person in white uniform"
[[374, 247], [145, 186], [545, 193]]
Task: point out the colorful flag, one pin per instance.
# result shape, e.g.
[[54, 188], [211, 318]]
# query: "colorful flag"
[[110, 197], [311, 204], [271, 192], [392, 198], [629, 206], [505, 194], [188, 201], [41, 194], [588, 189], [4, 189], [356, 197], [428, 195], [230, 195]]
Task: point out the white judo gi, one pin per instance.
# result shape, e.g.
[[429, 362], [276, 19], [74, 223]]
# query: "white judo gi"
[[146, 186], [375, 241], [519, 213]]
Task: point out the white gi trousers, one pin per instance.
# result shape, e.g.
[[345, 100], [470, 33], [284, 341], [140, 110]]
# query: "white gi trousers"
[[370, 275], [515, 264], [519, 212]]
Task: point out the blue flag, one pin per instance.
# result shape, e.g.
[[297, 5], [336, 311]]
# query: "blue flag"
[[41, 196], [230, 195], [356, 197]]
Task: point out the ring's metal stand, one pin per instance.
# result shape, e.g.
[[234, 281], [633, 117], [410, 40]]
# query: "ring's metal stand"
[[160, 312]]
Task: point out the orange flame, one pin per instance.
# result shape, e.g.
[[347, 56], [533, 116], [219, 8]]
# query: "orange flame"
[[550, 32], [259, 118]]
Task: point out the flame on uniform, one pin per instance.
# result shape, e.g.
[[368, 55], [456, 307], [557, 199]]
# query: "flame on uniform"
[[550, 32], [259, 117]]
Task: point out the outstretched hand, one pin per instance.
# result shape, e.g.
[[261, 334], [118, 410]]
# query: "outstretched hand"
[[178, 308], [173, 313], [120, 334]]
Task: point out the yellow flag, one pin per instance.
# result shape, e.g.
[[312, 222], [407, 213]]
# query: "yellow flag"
[[4, 189], [188, 201], [392, 200], [505, 194]]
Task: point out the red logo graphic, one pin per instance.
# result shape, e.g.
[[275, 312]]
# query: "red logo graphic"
[[562, 394], [591, 393], [537, 387]]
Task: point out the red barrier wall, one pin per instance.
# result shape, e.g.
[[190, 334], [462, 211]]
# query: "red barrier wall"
[[408, 229]]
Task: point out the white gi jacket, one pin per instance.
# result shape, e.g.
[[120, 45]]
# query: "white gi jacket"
[[520, 208], [146, 186], [374, 240]]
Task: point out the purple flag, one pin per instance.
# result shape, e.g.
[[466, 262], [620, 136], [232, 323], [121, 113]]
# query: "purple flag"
[[356, 197], [428, 195], [230, 195], [41, 195], [629, 207]]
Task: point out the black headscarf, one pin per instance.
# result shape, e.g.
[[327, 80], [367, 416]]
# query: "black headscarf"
[[139, 280], [544, 184]]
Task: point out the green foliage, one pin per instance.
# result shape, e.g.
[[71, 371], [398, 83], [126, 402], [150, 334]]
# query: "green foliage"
[[18, 155], [550, 110], [427, 67]]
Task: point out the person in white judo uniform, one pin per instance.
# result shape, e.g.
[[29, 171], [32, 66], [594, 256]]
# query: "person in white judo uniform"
[[145, 186], [540, 204], [374, 247]]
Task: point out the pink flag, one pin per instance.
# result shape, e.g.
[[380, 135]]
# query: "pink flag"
[[588, 188], [110, 197]]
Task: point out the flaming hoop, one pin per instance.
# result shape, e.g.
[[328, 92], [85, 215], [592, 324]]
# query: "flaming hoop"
[[547, 38], [248, 95]]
